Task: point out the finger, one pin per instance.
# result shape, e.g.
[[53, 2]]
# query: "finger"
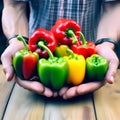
[[82, 89], [70, 93], [7, 67], [9, 73], [63, 91], [89, 87], [47, 92], [35, 86], [113, 65], [6, 58], [110, 55]]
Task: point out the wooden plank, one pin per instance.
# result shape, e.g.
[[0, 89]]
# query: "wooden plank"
[[80, 108], [25, 105], [5, 90], [107, 101]]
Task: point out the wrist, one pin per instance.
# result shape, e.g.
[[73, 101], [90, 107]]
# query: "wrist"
[[107, 41], [13, 38], [16, 43]]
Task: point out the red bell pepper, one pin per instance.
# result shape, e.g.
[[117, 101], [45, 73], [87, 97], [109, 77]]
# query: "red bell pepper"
[[84, 47], [47, 37], [66, 31], [25, 62]]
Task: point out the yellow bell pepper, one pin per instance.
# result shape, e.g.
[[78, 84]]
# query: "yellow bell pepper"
[[61, 50], [77, 68]]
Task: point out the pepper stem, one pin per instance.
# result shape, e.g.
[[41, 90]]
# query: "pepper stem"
[[20, 38], [41, 44], [95, 59], [72, 34], [70, 52], [83, 39]]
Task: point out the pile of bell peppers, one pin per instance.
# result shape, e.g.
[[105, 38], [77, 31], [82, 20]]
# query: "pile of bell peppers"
[[60, 56]]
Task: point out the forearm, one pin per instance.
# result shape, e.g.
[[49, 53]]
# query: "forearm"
[[109, 26], [14, 20]]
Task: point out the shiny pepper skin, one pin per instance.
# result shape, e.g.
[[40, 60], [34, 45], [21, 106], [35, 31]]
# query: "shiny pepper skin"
[[77, 68]]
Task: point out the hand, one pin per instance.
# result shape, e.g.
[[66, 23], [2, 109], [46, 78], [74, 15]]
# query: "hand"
[[6, 59], [35, 86], [105, 50], [81, 89]]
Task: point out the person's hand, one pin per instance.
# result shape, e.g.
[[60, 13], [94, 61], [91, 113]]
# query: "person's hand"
[[35, 86], [105, 50], [32, 85], [6, 58]]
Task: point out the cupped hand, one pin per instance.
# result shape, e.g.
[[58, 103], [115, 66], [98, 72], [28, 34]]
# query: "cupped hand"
[[105, 50], [6, 58], [81, 89], [35, 86]]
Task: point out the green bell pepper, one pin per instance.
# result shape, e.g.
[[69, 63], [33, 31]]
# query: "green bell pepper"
[[96, 67], [53, 72]]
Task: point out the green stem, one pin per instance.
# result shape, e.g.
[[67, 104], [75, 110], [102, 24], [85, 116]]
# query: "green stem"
[[70, 52], [41, 44], [20, 38], [83, 39], [72, 34], [95, 60]]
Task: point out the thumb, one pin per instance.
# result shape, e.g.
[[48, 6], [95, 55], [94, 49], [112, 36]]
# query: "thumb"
[[110, 76], [7, 67], [8, 70]]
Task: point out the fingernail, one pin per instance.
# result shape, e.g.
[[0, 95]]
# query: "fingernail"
[[7, 77], [112, 79]]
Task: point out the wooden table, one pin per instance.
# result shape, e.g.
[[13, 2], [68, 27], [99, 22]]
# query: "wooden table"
[[17, 103]]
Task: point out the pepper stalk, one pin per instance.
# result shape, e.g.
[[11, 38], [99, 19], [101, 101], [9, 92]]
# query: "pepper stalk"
[[41, 44]]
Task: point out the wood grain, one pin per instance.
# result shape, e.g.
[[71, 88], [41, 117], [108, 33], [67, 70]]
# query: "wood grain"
[[5, 90], [80, 109], [26, 105], [107, 101]]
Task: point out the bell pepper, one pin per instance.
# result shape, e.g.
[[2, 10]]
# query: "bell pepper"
[[25, 62], [62, 31], [53, 71], [77, 68], [61, 50], [84, 47], [96, 67], [44, 35]]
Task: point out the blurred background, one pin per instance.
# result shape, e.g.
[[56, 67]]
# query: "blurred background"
[[3, 42]]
